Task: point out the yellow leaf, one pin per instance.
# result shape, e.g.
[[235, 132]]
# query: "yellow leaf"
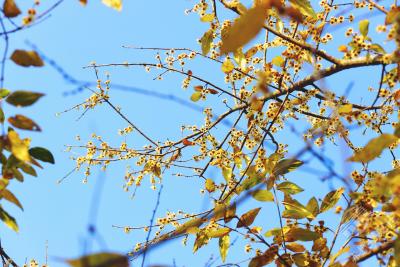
[[278, 61], [374, 148], [346, 108], [116, 4], [11, 9], [210, 185], [26, 58], [19, 148], [207, 18], [9, 196], [224, 243], [218, 232], [227, 66], [196, 96], [244, 29]]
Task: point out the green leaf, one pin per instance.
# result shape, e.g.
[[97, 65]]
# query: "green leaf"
[[301, 234], [8, 220], [263, 195], [2, 116], [100, 260], [41, 153], [4, 92], [286, 165], [289, 188], [397, 251], [331, 199], [224, 243], [248, 218], [25, 123], [26, 58], [206, 41], [295, 210], [23, 98], [364, 26], [304, 7], [374, 148]]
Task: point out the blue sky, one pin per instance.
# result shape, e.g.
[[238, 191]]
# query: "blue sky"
[[58, 214]]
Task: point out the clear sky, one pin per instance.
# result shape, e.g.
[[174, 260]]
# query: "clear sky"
[[58, 214]]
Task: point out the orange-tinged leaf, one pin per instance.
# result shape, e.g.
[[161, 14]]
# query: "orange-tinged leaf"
[[83, 2], [295, 247], [248, 218], [278, 61], [374, 148], [22, 122], [267, 257], [100, 260], [26, 58], [11, 9], [230, 213], [9, 196], [244, 29], [115, 4], [342, 48], [186, 142]]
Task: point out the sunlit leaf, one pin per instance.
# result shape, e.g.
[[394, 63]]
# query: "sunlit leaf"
[[244, 29], [42, 154], [201, 240], [278, 61], [286, 165], [364, 26], [115, 4], [344, 109], [230, 213], [227, 66], [289, 188], [374, 148], [210, 185], [26, 58], [100, 260], [248, 218], [224, 243], [11, 9], [331, 199], [295, 210], [304, 7], [4, 93], [22, 122], [263, 195], [196, 96], [23, 98], [227, 173], [8, 220], [312, 206], [19, 148], [207, 17], [217, 233]]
